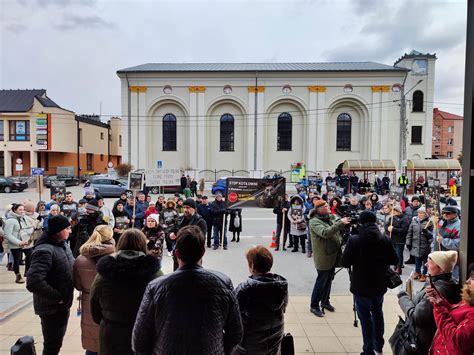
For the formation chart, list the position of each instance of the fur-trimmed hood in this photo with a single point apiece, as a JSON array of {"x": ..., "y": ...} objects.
[{"x": 128, "y": 265}]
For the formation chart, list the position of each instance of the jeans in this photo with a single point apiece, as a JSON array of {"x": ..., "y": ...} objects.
[
  {"x": 217, "y": 236},
  {"x": 17, "y": 258},
  {"x": 322, "y": 288},
  {"x": 419, "y": 263},
  {"x": 369, "y": 310},
  {"x": 54, "y": 327},
  {"x": 399, "y": 251}
]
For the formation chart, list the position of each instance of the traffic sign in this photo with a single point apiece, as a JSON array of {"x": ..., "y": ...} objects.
[
  {"x": 19, "y": 167},
  {"x": 37, "y": 171},
  {"x": 19, "y": 161},
  {"x": 159, "y": 164}
]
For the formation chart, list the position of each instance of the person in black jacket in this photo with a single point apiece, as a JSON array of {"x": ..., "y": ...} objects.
[
  {"x": 50, "y": 279},
  {"x": 191, "y": 311},
  {"x": 263, "y": 299},
  {"x": 218, "y": 219},
  {"x": 204, "y": 210},
  {"x": 369, "y": 254},
  {"x": 281, "y": 211},
  {"x": 396, "y": 228}
]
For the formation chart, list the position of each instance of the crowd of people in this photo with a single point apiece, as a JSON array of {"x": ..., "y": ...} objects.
[{"x": 113, "y": 256}]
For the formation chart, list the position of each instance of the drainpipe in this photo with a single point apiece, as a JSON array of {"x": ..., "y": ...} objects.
[{"x": 129, "y": 123}]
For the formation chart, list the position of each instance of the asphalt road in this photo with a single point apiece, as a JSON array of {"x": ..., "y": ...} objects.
[{"x": 257, "y": 226}]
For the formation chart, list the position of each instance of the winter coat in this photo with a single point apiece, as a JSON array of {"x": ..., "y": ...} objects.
[
  {"x": 116, "y": 295},
  {"x": 411, "y": 212},
  {"x": 67, "y": 208},
  {"x": 156, "y": 238},
  {"x": 195, "y": 220},
  {"x": 121, "y": 223},
  {"x": 218, "y": 212},
  {"x": 150, "y": 210},
  {"x": 262, "y": 301},
  {"x": 419, "y": 311},
  {"x": 279, "y": 213},
  {"x": 191, "y": 311},
  {"x": 205, "y": 212},
  {"x": 450, "y": 231},
  {"x": 83, "y": 230},
  {"x": 369, "y": 254},
  {"x": 108, "y": 216},
  {"x": 17, "y": 229},
  {"x": 296, "y": 216},
  {"x": 326, "y": 238},
  {"x": 419, "y": 237},
  {"x": 84, "y": 271},
  {"x": 400, "y": 228},
  {"x": 455, "y": 332},
  {"x": 235, "y": 214},
  {"x": 49, "y": 277},
  {"x": 139, "y": 213}
]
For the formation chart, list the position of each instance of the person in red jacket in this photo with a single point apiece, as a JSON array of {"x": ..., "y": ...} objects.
[
  {"x": 455, "y": 334},
  {"x": 150, "y": 210}
]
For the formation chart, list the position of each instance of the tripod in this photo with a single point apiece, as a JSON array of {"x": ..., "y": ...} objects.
[{"x": 353, "y": 299}]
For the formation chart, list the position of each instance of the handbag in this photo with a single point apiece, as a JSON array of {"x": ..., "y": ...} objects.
[
  {"x": 301, "y": 226},
  {"x": 403, "y": 339},
  {"x": 287, "y": 345},
  {"x": 24, "y": 346},
  {"x": 392, "y": 279}
]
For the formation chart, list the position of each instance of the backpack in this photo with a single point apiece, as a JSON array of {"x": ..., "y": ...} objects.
[
  {"x": 24, "y": 346},
  {"x": 237, "y": 221}
]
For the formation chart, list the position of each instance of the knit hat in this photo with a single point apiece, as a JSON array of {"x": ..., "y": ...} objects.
[
  {"x": 415, "y": 198},
  {"x": 88, "y": 191},
  {"x": 421, "y": 209},
  {"x": 57, "y": 223},
  {"x": 367, "y": 217},
  {"x": 92, "y": 205},
  {"x": 190, "y": 203},
  {"x": 446, "y": 260},
  {"x": 319, "y": 203},
  {"x": 104, "y": 231},
  {"x": 155, "y": 217},
  {"x": 98, "y": 197}
]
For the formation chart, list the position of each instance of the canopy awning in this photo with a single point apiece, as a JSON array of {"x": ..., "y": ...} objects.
[
  {"x": 433, "y": 164},
  {"x": 369, "y": 165}
]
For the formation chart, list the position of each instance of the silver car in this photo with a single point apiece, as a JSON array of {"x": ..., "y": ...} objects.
[{"x": 108, "y": 187}]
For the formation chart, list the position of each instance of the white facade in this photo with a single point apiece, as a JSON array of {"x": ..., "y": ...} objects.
[{"x": 198, "y": 100}]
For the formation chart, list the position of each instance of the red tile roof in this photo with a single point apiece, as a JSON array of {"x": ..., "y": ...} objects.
[{"x": 446, "y": 115}]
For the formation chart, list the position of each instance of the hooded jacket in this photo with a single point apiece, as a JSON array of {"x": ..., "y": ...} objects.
[
  {"x": 419, "y": 311},
  {"x": 49, "y": 277},
  {"x": 84, "y": 271},
  {"x": 192, "y": 311},
  {"x": 369, "y": 254},
  {"x": 400, "y": 226},
  {"x": 326, "y": 238},
  {"x": 296, "y": 215},
  {"x": 262, "y": 301},
  {"x": 17, "y": 228},
  {"x": 116, "y": 295}
]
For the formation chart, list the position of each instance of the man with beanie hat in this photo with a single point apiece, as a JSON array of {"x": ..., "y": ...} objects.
[
  {"x": 326, "y": 238},
  {"x": 190, "y": 218},
  {"x": 369, "y": 254},
  {"x": 419, "y": 311},
  {"x": 50, "y": 279}
]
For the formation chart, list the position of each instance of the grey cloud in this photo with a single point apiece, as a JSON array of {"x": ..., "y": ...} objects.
[
  {"x": 62, "y": 3},
  {"x": 15, "y": 28},
  {"x": 74, "y": 22}
]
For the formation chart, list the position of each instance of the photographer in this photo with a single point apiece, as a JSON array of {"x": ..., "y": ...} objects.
[
  {"x": 369, "y": 254},
  {"x": 326, "y": 239}
]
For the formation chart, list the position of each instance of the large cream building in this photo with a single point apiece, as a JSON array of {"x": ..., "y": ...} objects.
[{"x": 263, "y": 117}]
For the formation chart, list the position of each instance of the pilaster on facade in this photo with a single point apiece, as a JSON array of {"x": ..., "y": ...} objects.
[
  {"x": 321, "y": 122},
  {"x": 251, "y": 132},
  {"x": 33, "y": 158},
  {"x": 373, "y": 133},
  {"x": 312, "y": 154},
  {"x": 191, "y": 128},
  {"x": 201, "y": 131},
  {"x": 144, "y": 124},
  {"x": 7, "y": 159},
  {"x": 384, "y": 123},
  {"x": 262, "y": 119}
]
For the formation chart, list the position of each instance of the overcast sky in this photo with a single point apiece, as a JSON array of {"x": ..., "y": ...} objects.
[{"x": 73, "y": 48}]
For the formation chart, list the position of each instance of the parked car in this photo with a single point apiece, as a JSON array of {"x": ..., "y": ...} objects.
[
  {"x": 108, "y": 187},
  {"x": 11, "y": 184},
  {"x": 68, "y": 179}
]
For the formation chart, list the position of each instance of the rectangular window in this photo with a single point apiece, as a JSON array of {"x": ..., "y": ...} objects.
[
  {"x": 2, "y": 136},
  {"x": 450, "y": 141},
  {"x": 80, "y": 137},
  {"x": 450, "y": 154},
  {"x": 89, "y": 158},
  {"x": 19, "y": 130},
  {"x": 120, "y": 140},
  {"x": 451, "y": 129},
  {"x": 102, "y": 135},
  {"x": 416, "y": 134}
]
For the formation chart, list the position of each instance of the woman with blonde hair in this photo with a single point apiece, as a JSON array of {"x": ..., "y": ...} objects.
[
  {"x": 100, "y": 243},
  {"x": 118, "y": 290}
]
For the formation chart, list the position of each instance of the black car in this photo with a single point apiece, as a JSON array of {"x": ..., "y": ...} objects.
[
  {"x": 68, "y": 179},
  {"x": 9, "y": 184}
]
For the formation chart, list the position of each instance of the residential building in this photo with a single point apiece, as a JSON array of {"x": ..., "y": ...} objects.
[
  {"x": 447, "y": 134},
  {"x": 264, "y": 117},
  {"x": 36, "y": 130}
]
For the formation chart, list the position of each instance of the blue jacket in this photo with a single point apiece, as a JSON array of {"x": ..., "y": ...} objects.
[
  {"x": 139, "y": 214},
  {"x": 205, "y": 212}
]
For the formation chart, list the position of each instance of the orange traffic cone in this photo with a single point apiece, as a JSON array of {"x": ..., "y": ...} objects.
[{"x": 273, "y": 244}]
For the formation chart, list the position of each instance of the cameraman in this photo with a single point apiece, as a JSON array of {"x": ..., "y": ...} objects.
[
  {"x": 326, "y": 239},
  {"x": 369, "y": 254}
]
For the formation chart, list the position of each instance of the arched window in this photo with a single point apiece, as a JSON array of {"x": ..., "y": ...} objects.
[
  {"x": 169, "y": 132},
  {"x": 227, "y": 133},
  {"x": 418, "y": 101},
  {"x": 344, "y": 127},
  {"x": 285, "y": 128}
]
